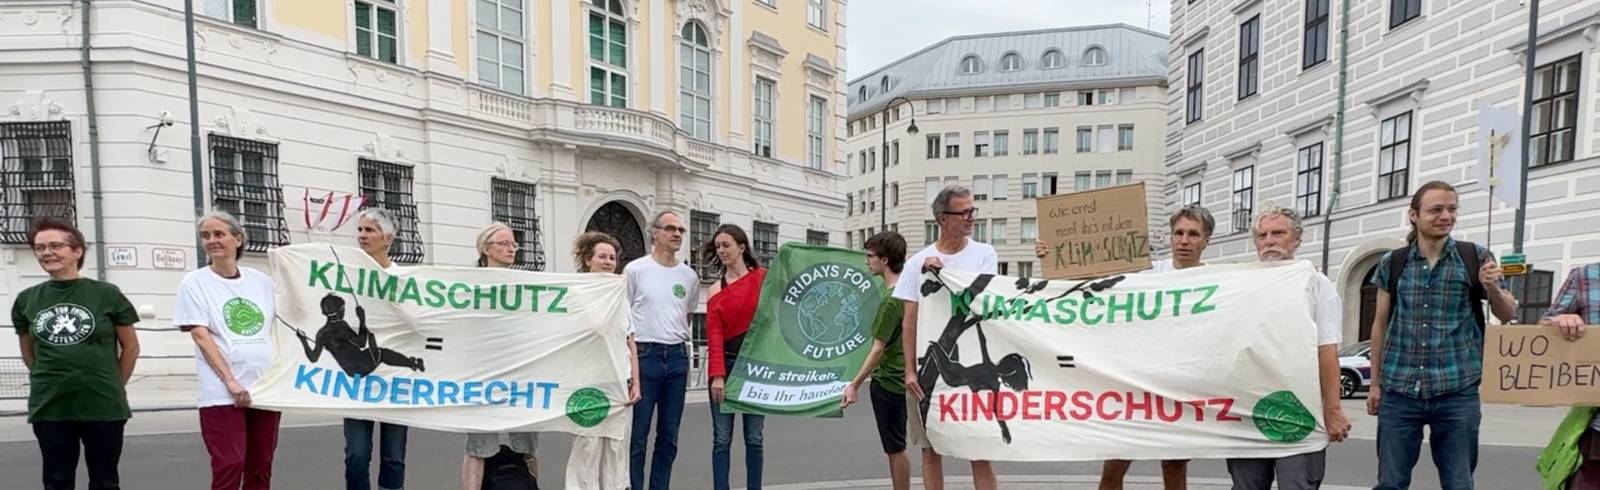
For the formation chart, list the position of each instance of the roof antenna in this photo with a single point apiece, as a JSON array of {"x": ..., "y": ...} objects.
[{"x": 1149, "y": 14}]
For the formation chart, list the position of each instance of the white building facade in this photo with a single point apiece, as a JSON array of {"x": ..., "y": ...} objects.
[
  {"x": 555, "y": 117},
  {"x": 1253, "y": 94},
  {"x": 1016, "y": 116}
]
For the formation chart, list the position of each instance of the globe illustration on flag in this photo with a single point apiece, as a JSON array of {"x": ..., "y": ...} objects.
[{"x": 830, "y": 312}]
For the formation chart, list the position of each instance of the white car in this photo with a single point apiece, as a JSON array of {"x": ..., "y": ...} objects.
[{"x": 1355, "y": 368}]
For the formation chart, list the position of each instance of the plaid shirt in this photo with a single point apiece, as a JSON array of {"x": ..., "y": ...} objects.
[
  {"x": 1580, "y": 295},
  {"x": 1433, "y": 345}
]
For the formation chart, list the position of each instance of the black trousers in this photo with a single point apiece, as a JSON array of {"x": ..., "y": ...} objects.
[{"x": 59, "y": 443}]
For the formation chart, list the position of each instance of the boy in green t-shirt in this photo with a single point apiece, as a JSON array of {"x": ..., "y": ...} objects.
[
  {"x": 77, "y": 339},
  {"x": 886, "y": 257}
]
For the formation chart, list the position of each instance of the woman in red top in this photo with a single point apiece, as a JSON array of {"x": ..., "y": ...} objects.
[{"x": 728, "y": 314}]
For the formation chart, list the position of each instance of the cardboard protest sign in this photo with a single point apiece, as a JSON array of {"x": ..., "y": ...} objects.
[
  {"x": 446, "y": 348},
  {"x": 1211, "y": 362},
  {"x": 1095, "y": 233},
  {"x": 1536, "y": 365}
]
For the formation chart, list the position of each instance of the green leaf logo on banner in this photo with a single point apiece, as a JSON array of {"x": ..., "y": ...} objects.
[{"x": 1281, "y": 417}]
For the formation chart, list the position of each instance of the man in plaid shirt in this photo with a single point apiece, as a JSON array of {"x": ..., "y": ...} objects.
[
  {"x": 1577, "y": 305},
  {"x": 1427, "y": 349}
]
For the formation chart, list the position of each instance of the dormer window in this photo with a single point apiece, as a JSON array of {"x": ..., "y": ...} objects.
[
  {"x": 971, "y": 65},
  {"x": 1094, "y": 56},
  {"x": 863, "y": 93},
  {"x": 1053, "y": 59},
  {"x": 883, "y": 84},
  {"x": 1011, "y": 62}
]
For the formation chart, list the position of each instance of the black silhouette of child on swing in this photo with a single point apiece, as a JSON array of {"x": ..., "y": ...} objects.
[{"x": 356, "y": 350}]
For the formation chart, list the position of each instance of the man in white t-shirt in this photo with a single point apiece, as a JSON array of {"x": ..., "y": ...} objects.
[
  {"x": 953, "y": 209},
  {"x": 663, "y": 291},
  {"x": 1277, "y": 236}
]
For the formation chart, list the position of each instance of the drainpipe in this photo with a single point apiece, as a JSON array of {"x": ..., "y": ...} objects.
[
  {"x": 1338, "y": 132},
  {"x": 94, "y": 148}
]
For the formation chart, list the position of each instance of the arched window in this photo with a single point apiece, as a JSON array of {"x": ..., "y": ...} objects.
[
  {"x": 883, "y": 84},
  {"x": 1053, "y": 59},
  {"x": 608, "y": 54},
  {"x": 971, "y": 65},
  {"x": 862, "y": 94},
  {"x": 1094, "y": 56},
  {"x": 1011, "y": 62},
  {"x": 694, "y": 82}
]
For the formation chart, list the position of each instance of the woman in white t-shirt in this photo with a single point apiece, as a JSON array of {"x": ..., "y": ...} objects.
[
  {"x": 228, "y": 310},
  {"x": 598, "y": 463}
]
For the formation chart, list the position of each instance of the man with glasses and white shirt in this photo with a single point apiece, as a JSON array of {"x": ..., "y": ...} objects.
[{"x": 663, "y": 291}]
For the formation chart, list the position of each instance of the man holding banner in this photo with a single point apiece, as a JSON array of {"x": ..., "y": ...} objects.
[
  {"x": 1277, "y": 233},
  {"x": 1572, "y": 459},
  {"x": 953, "y": 209}
]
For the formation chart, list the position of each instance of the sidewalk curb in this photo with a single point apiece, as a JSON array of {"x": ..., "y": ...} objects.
[{"x": 1014, "y": 479}]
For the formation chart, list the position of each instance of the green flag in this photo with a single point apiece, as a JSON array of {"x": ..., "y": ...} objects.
[{"x": 811, "y": 332}]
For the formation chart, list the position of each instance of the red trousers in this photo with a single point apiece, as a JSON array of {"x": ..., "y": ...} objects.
[{"x": 241, "y": 442}]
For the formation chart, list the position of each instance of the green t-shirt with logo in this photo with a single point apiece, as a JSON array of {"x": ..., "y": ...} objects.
[
  {"x": 891, "y": 370},
  {"x": 73, "y": 325}
]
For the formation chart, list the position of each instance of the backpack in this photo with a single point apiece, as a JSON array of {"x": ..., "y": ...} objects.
[
  {"x": 1469, "y": 255},
  {"x": 506, "y": 470}
]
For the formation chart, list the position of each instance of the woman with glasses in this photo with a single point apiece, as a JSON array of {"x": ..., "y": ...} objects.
[
  {"x": 497, "y": 247},
  {"x": 728, "y": 314},
  {"x": 77, "y": 340},
  {"x": 598, "y": 463}
]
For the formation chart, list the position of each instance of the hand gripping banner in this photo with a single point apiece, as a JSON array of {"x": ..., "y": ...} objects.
[
  {"x": 1214, "y": 362},
  {"x": 446, "y": 348}
]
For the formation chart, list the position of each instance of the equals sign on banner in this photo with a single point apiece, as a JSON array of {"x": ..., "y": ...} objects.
[
  {"x": 433, "y": 343},
  {"x": 1066, "y": 361}
]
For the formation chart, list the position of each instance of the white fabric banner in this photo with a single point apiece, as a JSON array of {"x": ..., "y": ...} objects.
[
  {"x": 446, "y": 348},
  {"x": 1212, "y": 362}
]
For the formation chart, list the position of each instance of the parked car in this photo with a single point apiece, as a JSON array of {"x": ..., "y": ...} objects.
[{"x": 1355, "y": 368}]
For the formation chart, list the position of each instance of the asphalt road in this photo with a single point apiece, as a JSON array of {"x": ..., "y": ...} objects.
[{"x": 798, "y": 451}]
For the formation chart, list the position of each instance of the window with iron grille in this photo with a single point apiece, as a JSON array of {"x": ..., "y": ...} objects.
[
  {"x": 1314, "y": 48},
  {"x": 388, "y": 186},
  {"x": 1308, "y": 181},
  {"x": 1394, "y": 157},
  {"x": 35, "y": 176},
  {"x": 702, "y": 228},
  {"x": 1533, "y": 293},
  {"x": 765, "y": 241},
  {"x": 1244, "y": 197},
  {"x": 1555, "y": 112},
  {"x": 815, "y": 237},
  {"x": 513, "y": 204},
  {"x": 1249, "y": 56},
  {"x": 244, "y": 182}
]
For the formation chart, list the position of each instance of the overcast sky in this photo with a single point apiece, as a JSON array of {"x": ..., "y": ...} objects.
[{"x": 882, "y": 31}]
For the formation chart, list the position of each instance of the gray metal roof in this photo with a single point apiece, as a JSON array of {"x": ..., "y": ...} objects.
[{"x": 1131, "y": 53}]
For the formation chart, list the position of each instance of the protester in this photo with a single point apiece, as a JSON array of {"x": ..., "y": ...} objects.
[
  {"x": 886, "y": 363},
  {"x": 77, "y": 340},
  {"x": 598, "y": 463},
  {"x": 227, "y": 309},
  {"x": 953, "y": 209},
  {"x": 1190, "y": 233},
  {"x": 1572, "y": 459},
  {"x": 663, "y": 292},
  {"x": 728, "y": 314},
  {"x": 1277, "y": 234},
  {"x": 375, "y": 233},
  {"x": 497, "y": 248},
  {"x": 1427, "y": 344}
]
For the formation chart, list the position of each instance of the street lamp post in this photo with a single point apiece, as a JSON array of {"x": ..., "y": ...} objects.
[{"x": 883, "y": 190}]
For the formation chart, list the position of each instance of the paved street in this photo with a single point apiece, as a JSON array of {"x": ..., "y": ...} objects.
[{"x": 162, "y": 452}]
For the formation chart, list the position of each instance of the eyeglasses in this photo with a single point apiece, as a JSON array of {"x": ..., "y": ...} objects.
[
  {"x": 52, "y": 246},
  {"x": 968, "y": 214},
  {"x": 673, "y": 229},
  {"x": 511, "y": 244}
]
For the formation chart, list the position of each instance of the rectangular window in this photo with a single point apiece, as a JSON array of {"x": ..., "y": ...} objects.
[
  {"x": 702, "y": 227},
  {"x": 930, "y": 231},
  {"x": 239, "y": 12},
  {"x": 1082, "y": 181},
  {"x": 980, "y": 230},
  {"x": 1048, "y": 185},
  {"x": 500, "y": 45},
  {"x": 1191, "y": 194},
  {"x": 1030, "y": 229},
  {"x": 1402, "y": 11},
  {"x": 1249, "y": 56},
  {"x": 1105, "y": 96},
  {"x": 1555, "y": 112},
  {"x": 1308, "y": 181},
  {"x": 1002, "y": 188},
  {"x": 1052, "y": 99},
  {"x": 1124, "y": 177},
  {"x": 997, "y": 231},
  {"x": 1005, "y": 268},
  {"x": 769, "y": 3},
  {"x": 1025, "y": 268},
  {"x": 1002, "y": 143},
  {"x": 816, "y": 142},
  {"x": 817, "y": 237},
  {"x": 1085, "y": 139},
  {"x": 1533, "y": 292},
  {"x": 1052, "y": 140},
  {"x": 1107, "y": 139},
  {"x": 864, "y": 163},
  {"x": 1085, "y": 97},
  {"x": 1195, "y": 93},
  {"x": 952, "y": 145},
  {"x": 894, "y": 194},
  {"x": 244, "y": 182},
  {"x": 849, "y": 204},
  {"x": 763, "y": 117},
  {"x": 764, "y": 239},
  {"x": 513, "y": 204},
  {"x": 608, "y": 58},
  {"x": 816, "y": 14},
  {"x": 1394, "y": 157},
  {"x": 980, "y": 188},
  {"x": 872, "y": 159},
  {"x": 1127, "y": 95},
  {"x": 1030, "y": 186},
  {"x": 36, "y": 176},
  {"x": 935, "y": 106},
  {"x": 935, "y": 142},
  {"x": 1125, "y": 137},
  {"x": 931, "y": 188},
  {"x": 388, "y": 186},
  {"x": 1314, "y": 48},
  {"x": 980, "y": 144},
  {"x": 1002, "y": 102},
  {"x": 376, "y": 34},
  {"x": 1244, "y": 197},
  {"x": 1030, "y": 142},
  {"x": 1102, "y": 179},
  {"x": 894, "y": 153}
]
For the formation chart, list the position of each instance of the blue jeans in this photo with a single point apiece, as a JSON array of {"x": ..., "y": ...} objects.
[
  {"x": 722, "y": 441},
  {"x": 663, "y": 378},
  {"x": 1452, "y": 422},
  {"x": 358, "y": 455}
]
